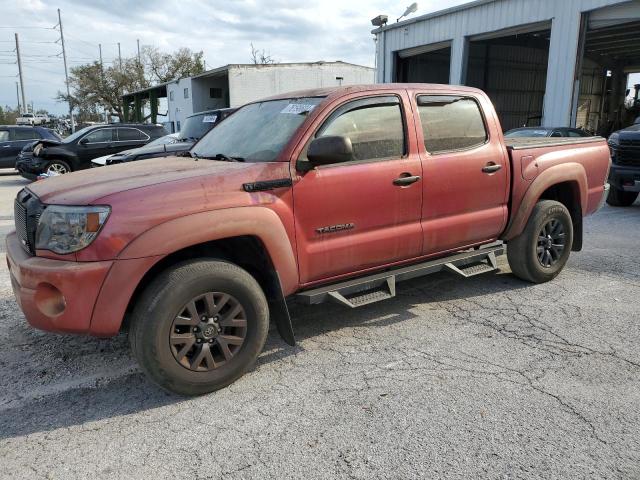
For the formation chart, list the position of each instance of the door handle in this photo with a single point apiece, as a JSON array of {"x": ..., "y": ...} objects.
[
  {"x": 491, "y": 167},
  {"x": 406, "y": 179}
]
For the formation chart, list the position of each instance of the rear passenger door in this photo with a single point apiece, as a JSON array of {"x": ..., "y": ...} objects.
[
  {"x": 355, "y": 215},
  {"x": 129, "y": 137},
  {"x": 465, "y": 168}
]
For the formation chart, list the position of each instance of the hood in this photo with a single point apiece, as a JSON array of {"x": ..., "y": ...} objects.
[
  {"x": 632, "y": 131},
  {"x": 153, "y": 149},
  {"x": 88, "y": 186}
]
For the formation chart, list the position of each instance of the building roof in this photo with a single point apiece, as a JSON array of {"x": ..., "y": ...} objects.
[
  {"x": 225, "y": 68},
  {"x": 429, "y": 16}
]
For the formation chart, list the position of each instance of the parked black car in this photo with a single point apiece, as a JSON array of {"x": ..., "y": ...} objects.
[
  {"x": 547, "y": 132},
  {"x": 624, "y": 176},
  {"x": 193, "y": 129},
  {"x": 77, "y": 150},
  {"x": 14, "y": 138}
]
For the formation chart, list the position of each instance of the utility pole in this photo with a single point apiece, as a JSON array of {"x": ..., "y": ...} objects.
[
  {"x": 119, "y": 56},
  {"x": 18, "y": 97},
  {"x": 139, "y": 61},
  {"x": 24, "y": 103},
  {"x": 66, "y": 73},
  {"x": 102, "y": 79}
]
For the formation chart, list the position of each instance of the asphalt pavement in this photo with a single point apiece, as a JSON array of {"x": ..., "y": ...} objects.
[{"x": 487, "y": 377}]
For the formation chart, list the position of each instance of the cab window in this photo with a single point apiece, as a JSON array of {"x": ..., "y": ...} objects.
[
  {"x": 451, "y": 123},
  {"x": 374, "y": 126}
]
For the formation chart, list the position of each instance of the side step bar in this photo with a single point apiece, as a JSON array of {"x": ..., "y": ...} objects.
[{"x": 381, "y": 286}]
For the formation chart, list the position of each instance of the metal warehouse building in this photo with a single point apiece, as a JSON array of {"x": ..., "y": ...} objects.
[{"x": 549, "y": 62}]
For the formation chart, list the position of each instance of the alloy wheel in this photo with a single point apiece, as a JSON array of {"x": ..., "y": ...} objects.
[
  {"x": 208, "y": 331},
  {"x": 57, "y": 169},
  {"x": 551, "y": 243}
]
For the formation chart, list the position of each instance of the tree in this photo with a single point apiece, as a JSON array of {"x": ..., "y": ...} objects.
[
  {"x": 163, "y": 67},
  {"x": 93, "y": 84},
  {"x": 260, "y": 57},
  {"x": 8, "y": 115}
]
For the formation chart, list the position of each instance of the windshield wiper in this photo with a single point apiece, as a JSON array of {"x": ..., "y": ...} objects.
[{"x": 224, "y": 158}]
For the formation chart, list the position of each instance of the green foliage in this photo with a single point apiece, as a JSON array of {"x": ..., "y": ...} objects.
[
  {"x": 95, "y": 85},
  {"x": 8, "y": 115}
]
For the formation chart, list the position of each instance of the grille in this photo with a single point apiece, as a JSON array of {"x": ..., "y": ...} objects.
[
  {"x": 628, "y": 157},
  {"x": 20, "y": 215},
  {"x": 27, "y": 210},
  {"x": 630, "y": 142}
]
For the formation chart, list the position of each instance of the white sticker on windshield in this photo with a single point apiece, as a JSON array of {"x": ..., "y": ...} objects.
[
  {"x": 209, "y": 118},
  {"x": 297, "y": 108}
]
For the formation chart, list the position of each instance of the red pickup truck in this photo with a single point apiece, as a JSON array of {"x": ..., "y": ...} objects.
[{"x": 331, "y": 194}]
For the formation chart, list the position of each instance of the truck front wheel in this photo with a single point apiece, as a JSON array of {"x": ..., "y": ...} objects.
[
  {"x": 199, "y": 326},
  {"x": 541, "y": 251},
  {"x": 620, "y": 198}
]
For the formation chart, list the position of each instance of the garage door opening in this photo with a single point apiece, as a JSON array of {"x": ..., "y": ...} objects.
[
  {"x": 432, "y": 66},
  {"x": 611, "y": 60},
  {"x": 512, "y": 69}
]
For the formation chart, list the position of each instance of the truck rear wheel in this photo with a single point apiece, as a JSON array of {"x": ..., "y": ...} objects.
[
  {"x": 620, "y": 198},
  {"x": 541, "y": 251},
  {"x": 199, "y": 326}
]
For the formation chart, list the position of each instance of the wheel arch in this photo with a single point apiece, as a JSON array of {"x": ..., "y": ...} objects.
[
  {"x": 253, "y": 238},
  {"x": 565, "y": 183}
]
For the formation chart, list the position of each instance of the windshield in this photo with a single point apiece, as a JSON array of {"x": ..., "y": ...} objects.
[
  {"x": 527, "y": 133},
  {"x": 257, "y": 132},
  {"x": 163, "y": 140},
  {"x": 75, "y": 136},
  {"x": 196, "y": 126}
]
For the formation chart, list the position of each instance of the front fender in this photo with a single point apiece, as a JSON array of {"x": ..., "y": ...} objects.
[
  {"x": 190, "y": 230},
  {"x": 566, "y": 172}
]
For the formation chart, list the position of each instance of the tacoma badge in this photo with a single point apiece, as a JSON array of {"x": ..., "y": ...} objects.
[{"x": 336, "y": 228}]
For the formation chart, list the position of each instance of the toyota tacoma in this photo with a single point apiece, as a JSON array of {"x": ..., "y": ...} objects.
[{"x": 322, "y": 195}]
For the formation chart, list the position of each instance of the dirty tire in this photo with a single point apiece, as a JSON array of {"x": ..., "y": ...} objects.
[
  {"x": 58, "y": 166},
  {"x": 620, "y": 198},
  {"x": 523, "y": 251},
  {"x": 161, "y": 304}
]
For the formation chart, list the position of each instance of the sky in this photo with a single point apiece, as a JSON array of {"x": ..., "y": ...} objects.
[{"x": 288, "y": 30}]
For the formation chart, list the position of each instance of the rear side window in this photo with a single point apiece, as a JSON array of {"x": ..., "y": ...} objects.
[
  {"x": 131, "y": 134},
  {"x": 375, "y": 128},
  {"x": 451, "y": 123},
  {"x": 25, "y": 134},
  {"x": 102, "y": 135}
]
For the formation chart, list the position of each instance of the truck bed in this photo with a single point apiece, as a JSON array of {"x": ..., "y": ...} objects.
[{"x": 521, "y": 143}]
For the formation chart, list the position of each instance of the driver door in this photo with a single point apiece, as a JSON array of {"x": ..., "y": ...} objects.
[{"x": 357, "y": 215}]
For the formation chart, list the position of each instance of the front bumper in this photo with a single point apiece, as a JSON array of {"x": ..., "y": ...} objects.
[
  {"x": 54, "y": 295},
  {"x": 28, "y": 167},
  {"x": 626, "y": 178}
]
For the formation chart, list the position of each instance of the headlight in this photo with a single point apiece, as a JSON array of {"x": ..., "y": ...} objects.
[
  {"x": 614, "y": 139},
  {"x": 63, "y": 229}
]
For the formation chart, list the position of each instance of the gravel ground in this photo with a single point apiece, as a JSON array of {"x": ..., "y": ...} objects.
[{"x": 454, "y": 378}]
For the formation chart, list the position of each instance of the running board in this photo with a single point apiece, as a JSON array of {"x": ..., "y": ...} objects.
[{"x": 381, "y": 286}]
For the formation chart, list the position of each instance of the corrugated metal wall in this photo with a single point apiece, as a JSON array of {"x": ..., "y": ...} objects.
[{"x": 490, "y": 16}]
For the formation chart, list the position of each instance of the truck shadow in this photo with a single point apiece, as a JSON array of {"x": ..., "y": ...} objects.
[{"x": 131, "y": 392}]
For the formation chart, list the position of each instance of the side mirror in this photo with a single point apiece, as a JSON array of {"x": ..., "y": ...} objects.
[
  {"x": 327, "y": 150},
  {"x": 84, "y": 141}
]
